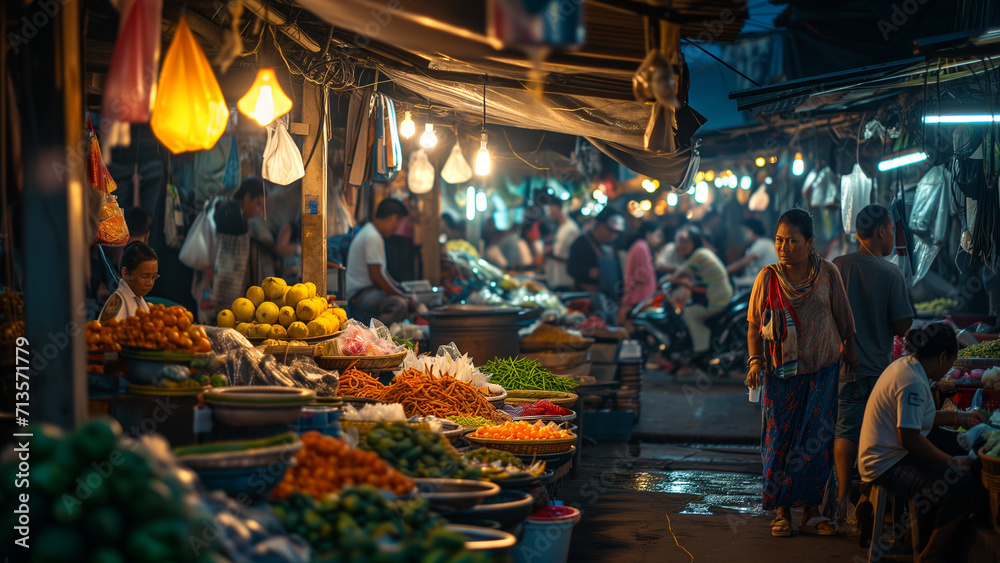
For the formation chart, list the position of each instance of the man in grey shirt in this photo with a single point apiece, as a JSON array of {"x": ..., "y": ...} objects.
[{"x": 881, "y": 307}]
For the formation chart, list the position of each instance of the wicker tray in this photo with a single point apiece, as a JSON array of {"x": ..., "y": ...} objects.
[
  {"x": 525, "y": 397},
  {"x": 363, "y": 363},
  {"x": 260, "y": 339},
  {"x": 966, "y": 364},
  {"x": 497, "y": 400},
  {"x": 525, "y": 447},
  {"x": 563, "y": 346}
]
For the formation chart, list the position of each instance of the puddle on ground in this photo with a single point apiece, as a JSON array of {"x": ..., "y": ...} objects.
[{"x": 719, "y": 491}]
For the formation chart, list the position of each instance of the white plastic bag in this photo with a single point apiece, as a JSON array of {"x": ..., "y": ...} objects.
[
  {"x": 456, "y": 169},
  {"x": 856, "y": 193},
  {"x": 282, "y": 159},
  {"x": 420, "y": 177},
  {"x": 198, "y": 251},
  {"x": 932, "y": 205},
  {"x": 759, "y": 201}
]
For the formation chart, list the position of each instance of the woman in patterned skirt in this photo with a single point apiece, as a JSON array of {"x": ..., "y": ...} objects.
[{"x": 801, "y": 328}]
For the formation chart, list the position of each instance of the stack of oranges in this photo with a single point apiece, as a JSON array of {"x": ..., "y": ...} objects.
[
  {"x": 326, "y": 465},
  {"x": 162, "y": 328},
  {"x": 521, "y": 430}
]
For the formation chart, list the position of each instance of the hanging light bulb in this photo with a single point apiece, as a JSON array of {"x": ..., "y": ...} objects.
[
  {"x": 428, "y": 139},
  {"x": 650, "y": 185},
  {"x": 692, "y": 188},
  {"x": 483, "y": 157},
  {"x": 746, "y": 183},
  {"x": 719, "y": 181},
  {"x": 470, "y": 203},
  {"x": 407, "y": 128},
  {"x": 710, "y": 175},
  {"x": 481, "y": 202},
  {"x": 760, "y": 162},
  {"x": 672, "y": 199},
  {"x": 798, "y": 166},
  {"x": 646, "y": 205},
  {"x": 265, "y": 99},
  {"x": 732, "y": 181}
]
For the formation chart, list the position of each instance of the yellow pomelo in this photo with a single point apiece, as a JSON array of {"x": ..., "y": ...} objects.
[
  {"x": 256, "y": 295},
  {"x": 226, "y": 319},
  {"x": 306, "y": 310},
  {"x": 296, "y": 293},
  {"x": 244, "y": 328},
  {"x": 341, "y": 314},
  {"x": 260, "y": 330},
  {"x": 277, "y": 331},
  {"x": 316, "y": 328},
  {"x": 274, "y": 288},
  {"x": 267, "y": 313},
  {"x": 244, "y": 310},
  {"x": 286, "y": 316},
  {"x": 298, "y": 329},
  {"x": 312, "y": 289}
]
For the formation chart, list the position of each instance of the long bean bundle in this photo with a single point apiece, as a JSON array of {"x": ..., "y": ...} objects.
[{"x": 522, "y": 373}]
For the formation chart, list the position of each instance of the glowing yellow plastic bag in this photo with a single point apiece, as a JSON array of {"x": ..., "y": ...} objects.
[{"x": 190, "y": 112}]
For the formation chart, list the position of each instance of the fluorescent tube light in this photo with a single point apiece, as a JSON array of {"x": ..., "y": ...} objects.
[{"x": 904, "y": 160}]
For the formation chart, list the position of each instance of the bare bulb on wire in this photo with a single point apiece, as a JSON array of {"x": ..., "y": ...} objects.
[
  {"x": 428, "y": 139},
  {"x": 407, "y": 128},
  {"x": 483, "y": 157}
]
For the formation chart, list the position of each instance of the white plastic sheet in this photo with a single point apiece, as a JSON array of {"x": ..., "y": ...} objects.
[
  {"x": 855, "y": 194},
  {"x": 456, "y": 169}
]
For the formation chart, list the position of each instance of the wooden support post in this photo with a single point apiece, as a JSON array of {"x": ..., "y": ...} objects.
[
  {"x": 314, "y": 100},
  {"x": 426, "y": 234},
  {"x": 55, "y": 247}
]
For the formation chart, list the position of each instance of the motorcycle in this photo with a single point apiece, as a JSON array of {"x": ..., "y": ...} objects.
[{"x": 661, "y": 328}]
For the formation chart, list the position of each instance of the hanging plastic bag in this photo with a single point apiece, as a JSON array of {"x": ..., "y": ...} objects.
[
  {"x": 456, "y": 169},
  {"x": 173, "y": 218},
  {"x": 112, "y": 229},
  {"x": 97, "y": 173},
  {"x": 420, "y": 177},
  {"x": 130, "y": 85},
  {"x": 198, "y": 250},
  {"x": 759, "y": 201},
  {"x": 282, "y": 159},
  {"x": 231, "y": 176},
  {"x": 855, "y": 193},
  {"x": 189, "y": 113},
  {"x": 824, "y": 189},
  {"x": 927, "y": 200}
]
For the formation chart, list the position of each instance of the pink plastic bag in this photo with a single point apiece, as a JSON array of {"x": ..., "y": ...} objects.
[{"x": 130, "y": 87}]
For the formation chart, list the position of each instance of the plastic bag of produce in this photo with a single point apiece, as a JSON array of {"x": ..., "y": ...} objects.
[
  {"x": 198, "y": 250},
  {"x": 112, "y": 229},
  {"x": 97, "y": 173},
  {"x": 189, "y": 113},
  {"x": 282, "y": 159}
]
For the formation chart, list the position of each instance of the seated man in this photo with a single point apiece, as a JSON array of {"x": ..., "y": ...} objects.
[{"x": 371, "y": 291}]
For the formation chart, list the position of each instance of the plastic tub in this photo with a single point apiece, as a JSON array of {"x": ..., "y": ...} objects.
[{"x": 547, "y": 534}]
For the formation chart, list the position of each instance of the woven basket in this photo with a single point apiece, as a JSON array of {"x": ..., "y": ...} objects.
[
  {"x": 364, "y": 427},
  {"x": 363, "y": 363},
  {"x": 525, "y": 447},
  {"x": 991, "y": 471},
  {"x": 526, "y": 397},
  {"x": 966, "y": 364},
  {"x": 497, "y": 400}
]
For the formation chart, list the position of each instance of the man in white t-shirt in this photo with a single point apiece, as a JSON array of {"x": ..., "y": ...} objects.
[
  {"x": 566, "y": 234},
  {"x": 371, "y": 291},
  {"x": 758, "y": 254}
]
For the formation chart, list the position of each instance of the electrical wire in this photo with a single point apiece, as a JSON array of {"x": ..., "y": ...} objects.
[
  {"x": 670, "y": 525},
  {"x": 519, "y": 156}
]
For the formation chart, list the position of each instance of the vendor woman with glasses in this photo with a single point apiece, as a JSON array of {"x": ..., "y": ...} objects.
[{"x": 139, "y": 267}]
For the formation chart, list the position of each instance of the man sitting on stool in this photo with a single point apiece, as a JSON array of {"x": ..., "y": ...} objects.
[{"x": 371, "y": 291}]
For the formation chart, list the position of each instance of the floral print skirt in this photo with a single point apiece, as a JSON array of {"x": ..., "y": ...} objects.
[{"x": 799, "y": 422}]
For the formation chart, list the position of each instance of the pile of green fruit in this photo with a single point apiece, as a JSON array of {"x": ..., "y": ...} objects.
[
  {"x": 989, "y": 349},
  {"x": 935, "y": 307},
  {"x": 415, "y": 452},
  {"x": 97, "y": 498},
  {"x": 359, "y": 524}
]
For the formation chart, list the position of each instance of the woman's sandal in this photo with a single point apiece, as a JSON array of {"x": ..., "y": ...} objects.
[
  {"x": 818, "y": 526},
  {"x": 781, "y": 527}
]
